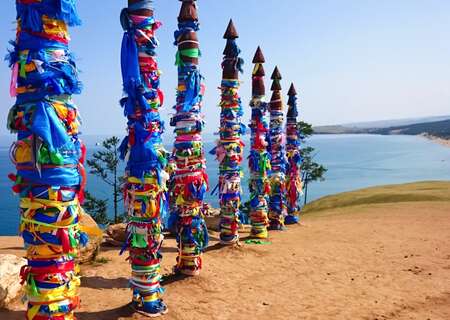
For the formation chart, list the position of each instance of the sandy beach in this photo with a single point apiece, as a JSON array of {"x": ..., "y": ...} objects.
[
  {"x": 375, "y": 261},
  {"x": 441, "y": 141}
]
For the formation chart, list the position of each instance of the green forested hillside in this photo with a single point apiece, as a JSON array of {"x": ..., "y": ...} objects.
[{"x": 439, "y": 129}]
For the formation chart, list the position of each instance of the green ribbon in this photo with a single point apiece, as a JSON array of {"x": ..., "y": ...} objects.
[
  {"x": 32, "y": 286},
  {"x": 257, "y": 242},
  {"x": 191, "y": 53},
  {"x": 23, "y": 64},
  {"x": 46, "y": 156},
  {"x": 262, "y": 165},
  {"x": 56, "y": 158},
  {"x": 139, "y": 241},
  {"x": 162, "y": 160},
  {"x": 73, "y": 241}
]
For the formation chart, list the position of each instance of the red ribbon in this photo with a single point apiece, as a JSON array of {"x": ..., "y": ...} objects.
[{"x": 63, "y": 235}]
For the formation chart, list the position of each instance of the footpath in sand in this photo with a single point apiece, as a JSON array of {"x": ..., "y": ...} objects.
[{"x": 381, "y": 253}]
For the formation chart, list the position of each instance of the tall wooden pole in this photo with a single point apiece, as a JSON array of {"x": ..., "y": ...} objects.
[
  {"x": 145, "y": 175},
  {"x": 294, "y": 178},
  {"x": 259, "y": 159},
  {"x": 48, "y": 156},
  {"x": 190, "y": 181},
  {"x": 277, "y": 205},
  {"x": 230, "y": 147}
]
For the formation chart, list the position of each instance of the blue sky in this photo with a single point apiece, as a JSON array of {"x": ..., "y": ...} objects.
[{"x": 351, "y": 60}]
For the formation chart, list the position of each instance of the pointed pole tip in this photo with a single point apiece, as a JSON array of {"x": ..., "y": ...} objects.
[
  {"x": 292, "y": 90},
  {"x": 231, "y": 32},
  {"x": 259, "y": 56},
  {"x": 276, "y": 75}
]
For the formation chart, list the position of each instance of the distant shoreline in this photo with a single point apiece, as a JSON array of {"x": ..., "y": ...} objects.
[
  {"x": 441, "y": 141},
  {"x": 437, "y": 131}
]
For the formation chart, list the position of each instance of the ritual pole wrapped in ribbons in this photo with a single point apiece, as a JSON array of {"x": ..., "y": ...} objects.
[
  {"x": 145, "y": 175},
  {"x": 48, "y": 155},
  {"x": 259, "y": 159},
  {"x": 230, "y": 148},
  {"x": 293, "y": 144},
  {"x": 190, "y": 181},
  {"x": 277, "y": 204}
]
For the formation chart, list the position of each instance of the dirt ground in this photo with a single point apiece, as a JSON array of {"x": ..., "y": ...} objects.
[{"x": 383, "y": 261}]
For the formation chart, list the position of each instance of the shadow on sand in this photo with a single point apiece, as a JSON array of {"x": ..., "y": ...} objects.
[
  {"x": 12, "y": 315},
  {"x": 114, "y": 314},
  {"x": 104, "y": 283},
  {"x": 172, "y": 278},
  {"x": 13, "y": 248},
  {"x": 216, "y": 247}
]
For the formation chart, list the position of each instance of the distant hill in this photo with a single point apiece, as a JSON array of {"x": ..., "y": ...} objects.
[
  {"x": 338, "y": 129},
  {"x": 440, "y": 129},
  {"x": 395, "y": 123}
]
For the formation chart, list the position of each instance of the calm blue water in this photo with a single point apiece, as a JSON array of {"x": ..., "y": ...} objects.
[{"x": 353, "y": 162}]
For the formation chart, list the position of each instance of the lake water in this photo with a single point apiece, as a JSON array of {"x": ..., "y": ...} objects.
[{"x": 353, "y": 162}]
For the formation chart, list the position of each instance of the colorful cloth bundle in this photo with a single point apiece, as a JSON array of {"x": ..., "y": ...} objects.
[
  {"x": 294, "y": 184},
  {"x": 146, "y": 179},
  {"x": 277, "y": 205},
  {"x": 259, "y": 159},
  {"x": 48, "y": 155},
  {"x": 190, "y": 181},
  {"x": 230, "y": 147}
]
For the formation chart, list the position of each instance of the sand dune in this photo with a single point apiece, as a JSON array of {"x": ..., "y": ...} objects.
[{"x": 372, "y": 261}]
